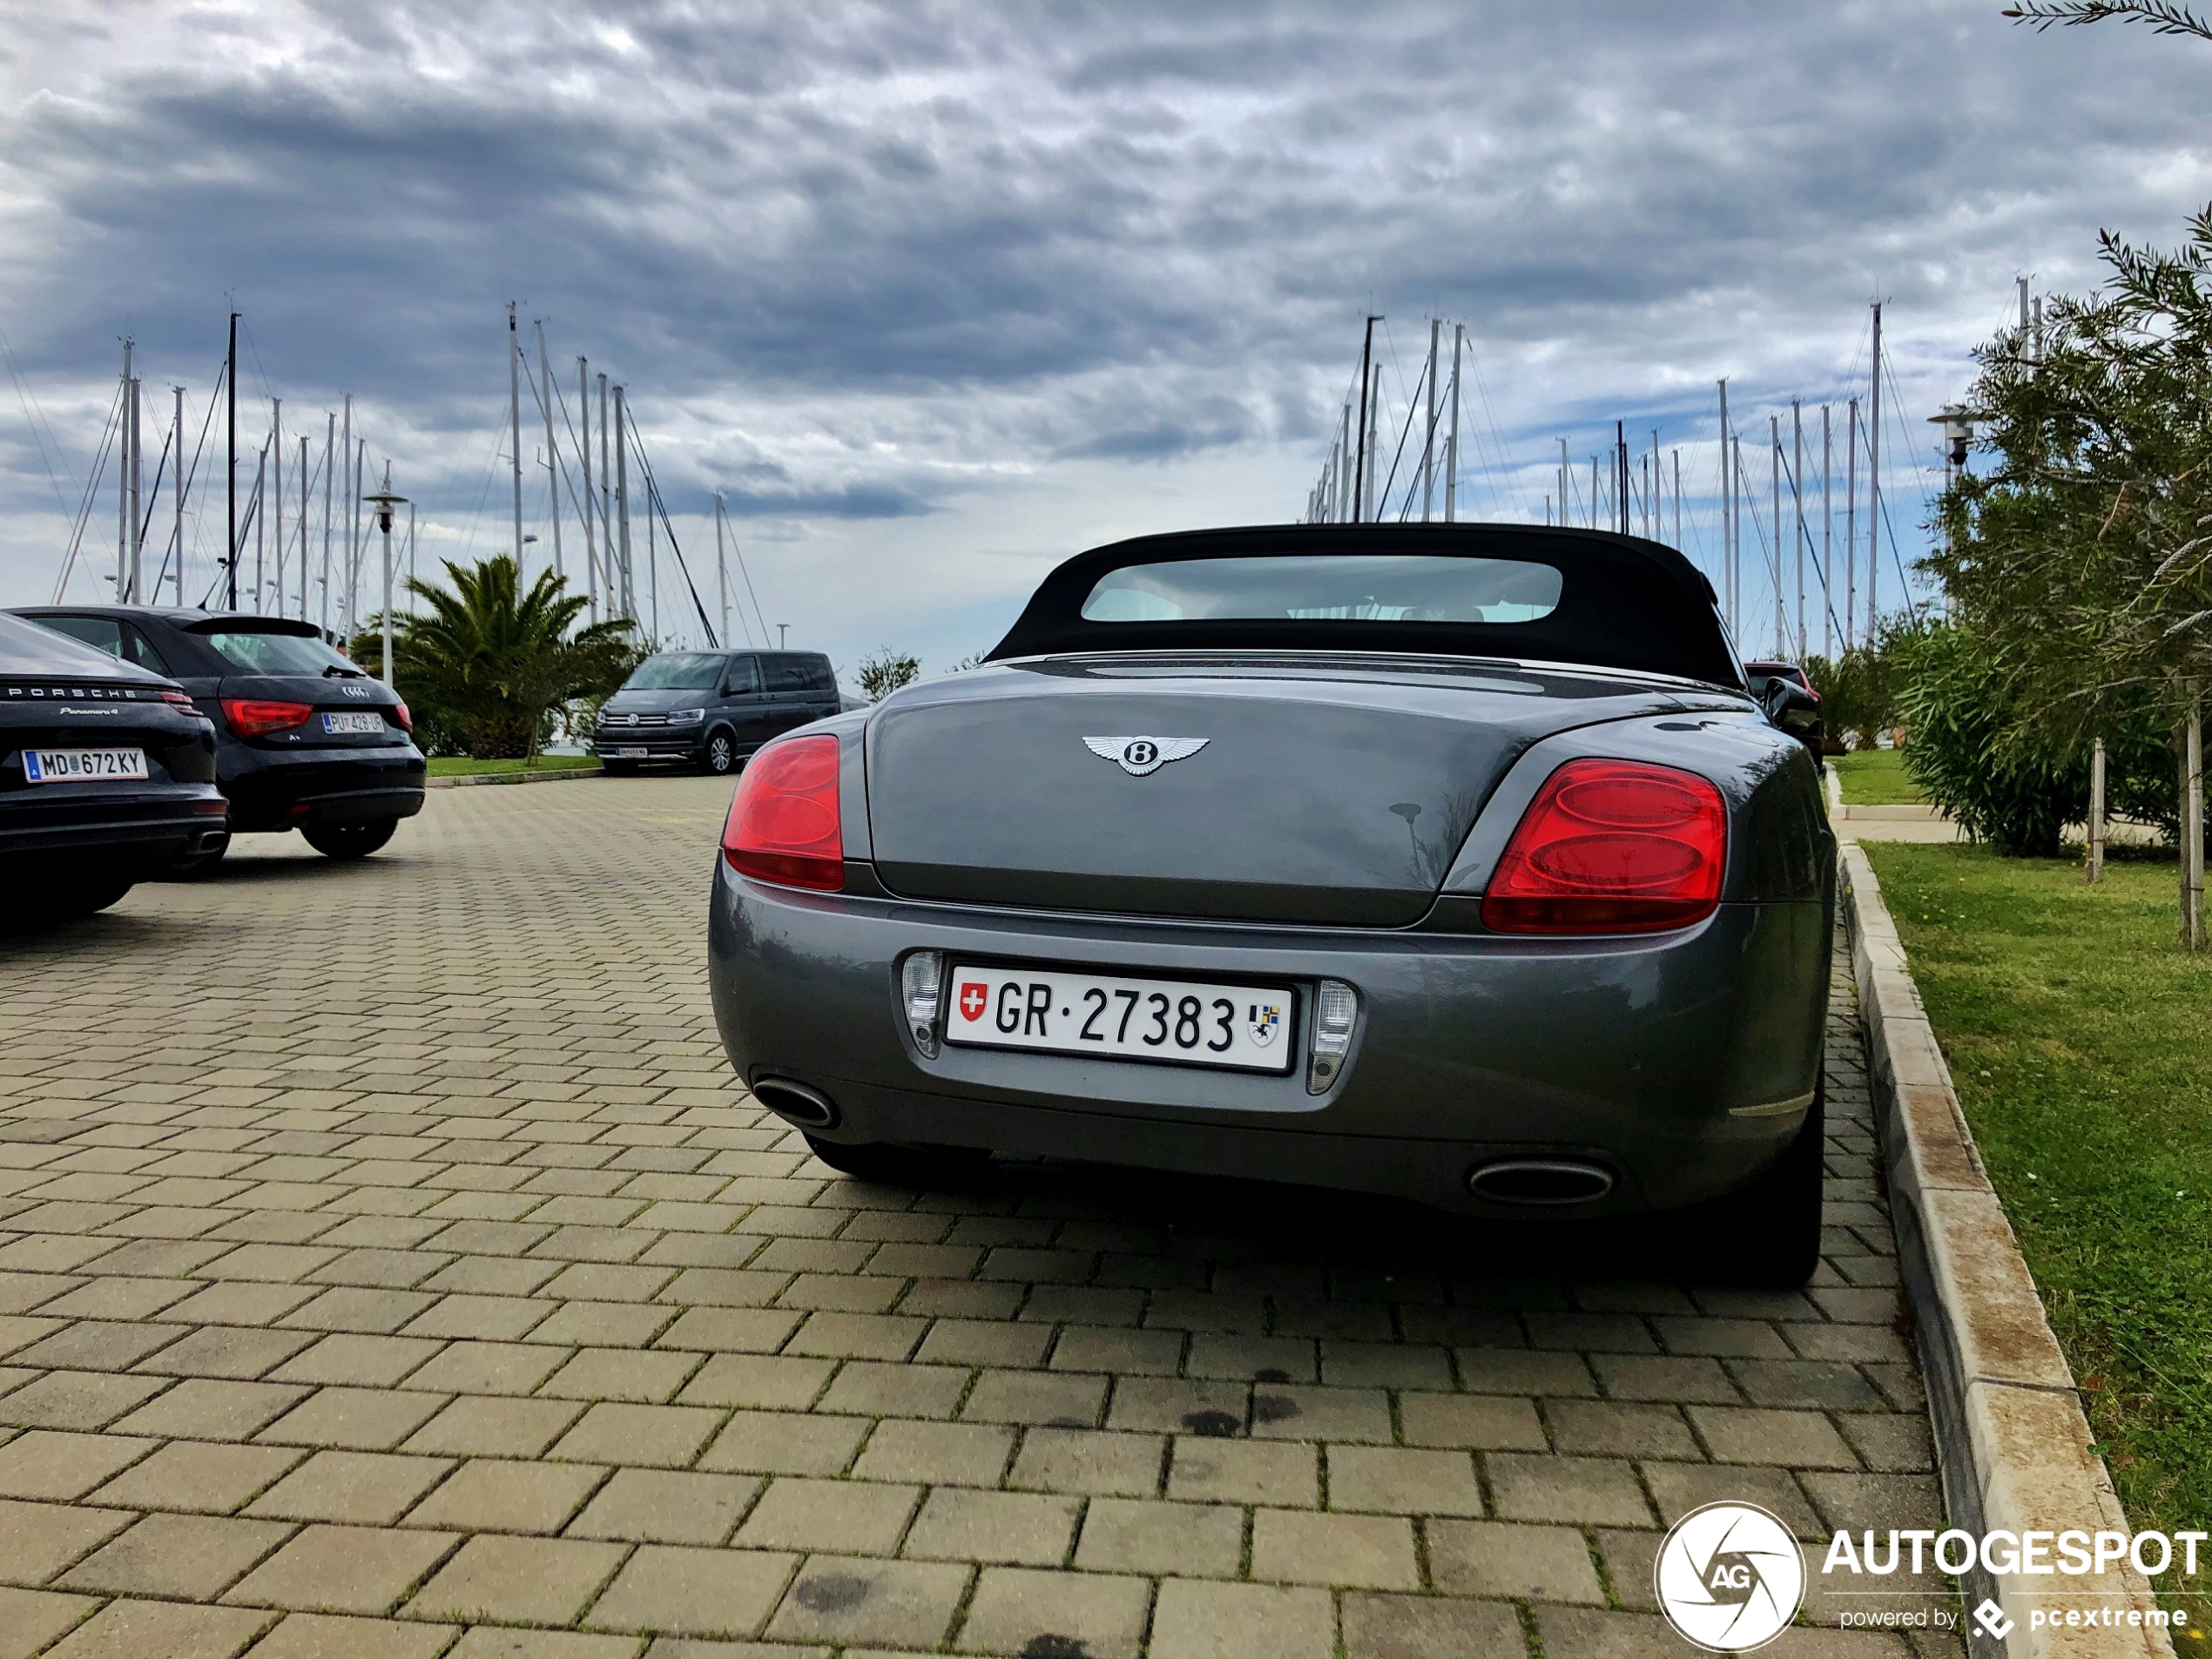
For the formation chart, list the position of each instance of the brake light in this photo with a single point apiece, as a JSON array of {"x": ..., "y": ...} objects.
[
  {"x": 1612, "y": 846},
  {"x": 252, "y": 717},
  {"x": 784, "y": 824},
  {"x": 400, "y": 713},
  {"x": 179, "y": 700}
]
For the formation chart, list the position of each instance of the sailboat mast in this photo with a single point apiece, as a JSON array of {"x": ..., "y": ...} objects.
[
  {"x": 230, "y": 477},
  {"x": 552, "y": 455},
  {"x": 515, "y": 422},
  {"x": 590, "y": 502}
]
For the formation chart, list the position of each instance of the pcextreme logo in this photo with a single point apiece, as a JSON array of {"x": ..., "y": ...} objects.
[{"x": 1730, "y": 1577}]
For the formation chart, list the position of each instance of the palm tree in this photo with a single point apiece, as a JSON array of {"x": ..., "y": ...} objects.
[{"x": 490, "y": 659}]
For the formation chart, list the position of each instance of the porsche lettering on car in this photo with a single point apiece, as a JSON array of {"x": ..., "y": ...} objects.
[{"x": 1459, "y": 864}]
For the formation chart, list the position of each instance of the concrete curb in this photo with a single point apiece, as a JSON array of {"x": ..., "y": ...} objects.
[
  {"x": 470, "y": 780},
  {"x": 2012, "y": 1443}
]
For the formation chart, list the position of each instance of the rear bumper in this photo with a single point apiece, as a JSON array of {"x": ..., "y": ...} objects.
[
  {"x": 148, "y": 830},
  {"x": 1633, "y": 1054},
  {"x": 275, "y": 790}
]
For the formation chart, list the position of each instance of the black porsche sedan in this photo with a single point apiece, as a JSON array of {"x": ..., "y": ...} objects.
[
  {"x": 107, "y": 777},
  {"x": 305, "y": 739},
  {"x": 1452, "y": 863}
]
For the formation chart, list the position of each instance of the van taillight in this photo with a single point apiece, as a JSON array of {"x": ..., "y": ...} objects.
[
  {"x": 785, "y": 826},
  {"x": 1612, "y": 846},
  {"x": 251, "y": 717}
]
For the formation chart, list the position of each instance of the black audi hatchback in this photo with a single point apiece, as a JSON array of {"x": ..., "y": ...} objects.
[
  {"x": 304, "y": 740},
  {"x": 107, "y": 777}
]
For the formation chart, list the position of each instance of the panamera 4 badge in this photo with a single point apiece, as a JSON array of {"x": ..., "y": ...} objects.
[{"x": 1140, "y": 757}]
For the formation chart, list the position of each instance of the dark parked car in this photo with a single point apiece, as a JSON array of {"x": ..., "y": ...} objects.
[
  {"x": 1455, "y": 863},
  {"x": 305, "y": 739},
  {"x": 107, "y": 777},
  {"x": 712, "y": 708}
]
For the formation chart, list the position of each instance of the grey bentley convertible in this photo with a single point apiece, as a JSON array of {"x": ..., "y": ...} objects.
[{"x": 1458, "y": 863}]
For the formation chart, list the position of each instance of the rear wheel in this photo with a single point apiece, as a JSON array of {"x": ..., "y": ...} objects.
[
  {"x": 68, "y": 899},
  {"x": 350, "y": 840},
  {"x": 1769, "y": 1234},
  {"x": 897, "y": 1165},
  {"x": 720, "y": 756}
]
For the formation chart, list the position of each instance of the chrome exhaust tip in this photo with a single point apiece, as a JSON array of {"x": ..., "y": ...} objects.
[
  {"x": 1541, "y": 1181},
  {"x": 796, "y": 1103}
]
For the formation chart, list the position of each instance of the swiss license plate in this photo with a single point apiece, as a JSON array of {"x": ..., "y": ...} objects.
[
  {"x": 351, "y": 720},
  {"x": 83, "y": 765},
  {"x": 632, "y": 754},
  {"x": 1248, "y": 1027}
]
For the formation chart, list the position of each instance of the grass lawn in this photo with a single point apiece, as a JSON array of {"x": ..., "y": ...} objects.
[
  {"x": 2078, "y": 1032},
  {"x": 460, "y": 765},
  {"x": 1875, "y": 777}
]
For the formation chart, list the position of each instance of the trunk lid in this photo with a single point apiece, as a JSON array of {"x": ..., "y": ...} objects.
[
  {"x": 1331, "y": 792},
  {"x": 340, "y": 701}
]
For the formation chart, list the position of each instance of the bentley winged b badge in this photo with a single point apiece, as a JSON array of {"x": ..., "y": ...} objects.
[{"x": 1140, "y": 757}]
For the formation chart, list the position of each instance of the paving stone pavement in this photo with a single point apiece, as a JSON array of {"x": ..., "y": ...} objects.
[{"x": 389, "y": 1266}]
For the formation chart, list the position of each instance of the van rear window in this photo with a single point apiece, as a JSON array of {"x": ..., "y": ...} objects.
[{"x": 1414, "y": 588}]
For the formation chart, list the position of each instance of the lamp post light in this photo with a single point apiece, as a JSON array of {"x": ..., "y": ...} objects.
[
  {"x": 381, "y": 502},
  {"x": 1958, "y": 423}
]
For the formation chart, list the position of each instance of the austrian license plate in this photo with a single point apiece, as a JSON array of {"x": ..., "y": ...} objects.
[
  {"x": 632, "y": 754},
  {"x": 83, "y": 765},
  {"x": 349, "y": 720},
  {"x": 1247, "y": 1027}
]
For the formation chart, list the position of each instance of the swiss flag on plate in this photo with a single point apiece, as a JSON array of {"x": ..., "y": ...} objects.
[{"x": 972, "y": 1000}]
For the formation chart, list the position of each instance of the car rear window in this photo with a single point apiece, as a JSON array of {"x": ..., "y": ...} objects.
[
  {"x": 260, "y": 652},
  {"x": 676, "y": 671},
  {"x": 1414, "y": 587}
]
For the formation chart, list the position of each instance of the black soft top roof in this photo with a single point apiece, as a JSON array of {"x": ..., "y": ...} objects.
[{"x": 1624, "y": 602}]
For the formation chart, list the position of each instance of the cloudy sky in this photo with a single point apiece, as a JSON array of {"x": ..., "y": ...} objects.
[{"x": 938, "y": 295}]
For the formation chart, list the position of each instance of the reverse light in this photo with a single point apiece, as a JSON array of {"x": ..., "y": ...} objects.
[
  {"x": 1336, "y": 1010},
  {"x": 400, "y": 714},
  {"x": 785, "y": 826},
  {"x": 253, "y": 717},
  {"x": 921, "y": 987},
  {"x": 1612, "y": 846}
]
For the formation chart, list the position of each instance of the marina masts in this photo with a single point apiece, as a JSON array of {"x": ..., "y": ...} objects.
[
  {"x": 515, "y": 423},
  {"x": 230, "y": 472},
  {"x": 552, "y": 455}
]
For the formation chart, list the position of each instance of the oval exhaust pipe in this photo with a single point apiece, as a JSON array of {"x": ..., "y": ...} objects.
[
  {"x": 795, "y": 1103},
  {"x": 1541, "y": 1181}
]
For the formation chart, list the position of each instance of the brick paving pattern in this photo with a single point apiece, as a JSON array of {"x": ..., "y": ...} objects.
[{"x": 389, "y": 1266}]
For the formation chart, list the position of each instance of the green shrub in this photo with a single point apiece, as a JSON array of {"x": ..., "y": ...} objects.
[{"x": 1970, "y": 752}]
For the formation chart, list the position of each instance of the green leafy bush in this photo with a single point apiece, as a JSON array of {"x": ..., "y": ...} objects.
[{"x": 1996, "y": 776}]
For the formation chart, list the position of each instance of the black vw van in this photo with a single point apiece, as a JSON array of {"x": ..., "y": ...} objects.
[{"x": 712, "y": 708}]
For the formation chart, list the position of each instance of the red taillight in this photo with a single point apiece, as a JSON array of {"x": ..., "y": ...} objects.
[
  {"x": 405, "y": 720},
  {"x": 178, "y": 698},
  {"x": 785, "y": 826},
  {"x": 252, "y": 717},
  {"x": 1612, "y": 846}
]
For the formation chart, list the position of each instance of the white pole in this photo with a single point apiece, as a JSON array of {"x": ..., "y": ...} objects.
[
  {"x": 276, "y": 447},
  {"x": 410, "y": 558},
  {"x": 329, "y": 471},
  {"x": 138, "y": 522},
  {"x": 1728, "y": 523},
  {"x": 1798, "y": 502},
  {"x": 622, "y": 508},
  {"x": 346, "y": 601},
  {"x": 260, "y": 518},
  {"x": 2095, "y": 870},
  {"x": 177, "y": 502},
  {"x": 1344, "y": 468},
  {"x": 1874, "y": 483},
  {"x": 583, "y": 446},
  {"x": 1780, "y": 600},
  {"x": 303, "y": 526},
  {"x": 606, "y": 512},
  {"x": 514, "y": 425},
  {"x": 552, "y": 455},
  {"x": 1374, "y": 507},
  {"x": 1851, "y": 525},
  {"x": 1428, "y": 437},
  {"x": 722, "y": 569},
  {"x": 353, "y": 544},
  {"x": 1827, "y": 535},
  {"x": 1452, "y": 447},
  {"x": 1678, "y": 501},
  {"x": 384, "y": 523},
  {"x": 123, "y": 461}
]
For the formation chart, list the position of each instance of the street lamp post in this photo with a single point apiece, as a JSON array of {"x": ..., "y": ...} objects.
[
  {"x": 381, "y": 502},
  {"x": 1958, "y": 423}
]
